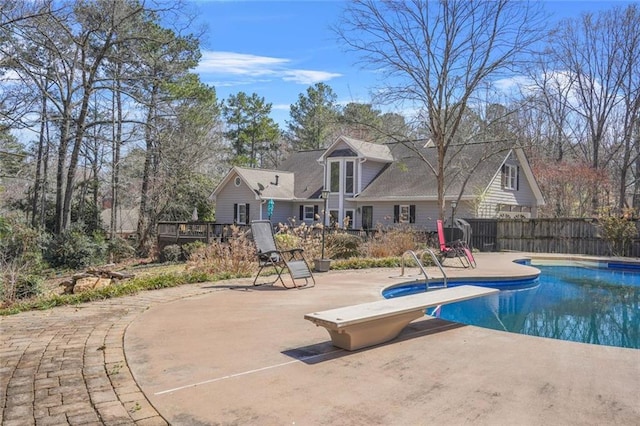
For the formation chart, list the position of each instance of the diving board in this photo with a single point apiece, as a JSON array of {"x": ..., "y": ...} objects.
[{"x": 358, "y": 326}]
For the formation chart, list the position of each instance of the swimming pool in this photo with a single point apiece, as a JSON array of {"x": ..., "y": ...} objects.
[{"x": 588, "y": 304}]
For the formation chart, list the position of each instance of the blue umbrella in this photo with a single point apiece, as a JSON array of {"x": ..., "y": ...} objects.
[{"x": 270, "y": 205}]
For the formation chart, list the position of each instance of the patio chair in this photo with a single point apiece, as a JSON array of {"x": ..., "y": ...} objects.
[
  {"x": 270, "y": 256},
  {"x": 465, "y": 227},
  {"x": 457, "y": 249}
]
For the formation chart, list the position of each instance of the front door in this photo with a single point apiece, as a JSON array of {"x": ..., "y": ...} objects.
[{"x": 367, "y": 217}]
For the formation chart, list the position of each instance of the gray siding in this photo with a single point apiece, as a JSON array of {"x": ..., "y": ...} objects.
[
  {"x": 370, "y": 170},
  {"x": 495, "y": 194},
  {"x": 230, "y": 195}
]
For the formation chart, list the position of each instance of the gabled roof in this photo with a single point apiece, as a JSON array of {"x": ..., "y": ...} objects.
[
  {"x": 411, "y": 175},
  {"x": 408, "y": 174},
  {"x": 368, "y": 150},
  {"x": 526, "y": 168},
  {"x": 263, "y": 182},
  {"x": 308, "y": 172}
]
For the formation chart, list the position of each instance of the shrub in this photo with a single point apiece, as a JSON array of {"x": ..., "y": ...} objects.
[
  {"x": 343, "y": 246},
  {"x": 171, "y": 253},
  {"x": 190, "y": 248},
  {"x": 308, "y": 238},
  {"x": 74, "y": 249},
  {"x": 119, "y": 249},
  {"x": 21, "y": 262},
  {"x": 617, "y": 230},
  {"x": 236, "y": 257},
  {"x": 391, "y": 242}
]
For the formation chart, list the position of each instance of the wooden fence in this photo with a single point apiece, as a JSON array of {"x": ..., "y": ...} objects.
[{"x": 562, "y": 235}]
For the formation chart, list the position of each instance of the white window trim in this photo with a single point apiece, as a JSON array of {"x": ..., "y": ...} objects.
[
  {"x": 353, "y": 177},
  {"x": 353, "y": 217},
  {"x": 510, "y": 176},
  {"x": 304, "y": 210},
  {"x": 329, "y": 181},
  {"x": 242, "y": 211},
  {"x": 404, "y": 213}
]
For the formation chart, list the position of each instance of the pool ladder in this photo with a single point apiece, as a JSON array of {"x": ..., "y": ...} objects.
[{"x": 418, "y": 261}]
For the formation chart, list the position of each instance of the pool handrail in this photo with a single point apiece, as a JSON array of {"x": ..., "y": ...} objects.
[{"x": 421, "y": 266}]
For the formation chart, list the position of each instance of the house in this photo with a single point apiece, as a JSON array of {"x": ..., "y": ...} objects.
[{"x": 370, "y": 184}]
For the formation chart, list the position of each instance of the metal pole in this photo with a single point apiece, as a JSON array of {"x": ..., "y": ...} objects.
[
  {"x": 324, "y": 224},
  {"x": 453, "y": 206}
]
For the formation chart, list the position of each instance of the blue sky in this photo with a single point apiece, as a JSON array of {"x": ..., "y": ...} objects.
[{"x": 278, "y": 49}]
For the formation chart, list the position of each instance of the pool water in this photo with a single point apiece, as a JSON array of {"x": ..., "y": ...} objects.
[{"x": 582, "y": 304}]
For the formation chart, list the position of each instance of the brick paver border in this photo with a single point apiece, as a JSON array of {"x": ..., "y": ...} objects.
[{"x": 67, "y": 365}]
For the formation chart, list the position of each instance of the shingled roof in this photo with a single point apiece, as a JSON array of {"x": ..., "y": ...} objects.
[
  {"x": 274, "y": 184},
  {"x": 308, "y": 171},
  {"x": 407, "y": 174},
  {"x": 410, "y": 175}
]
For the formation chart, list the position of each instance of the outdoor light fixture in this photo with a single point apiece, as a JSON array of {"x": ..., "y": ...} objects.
[{"x": 325, "y": 196}]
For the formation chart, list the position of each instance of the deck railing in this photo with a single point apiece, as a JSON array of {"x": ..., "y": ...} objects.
[{"x": 188, "y": 232}]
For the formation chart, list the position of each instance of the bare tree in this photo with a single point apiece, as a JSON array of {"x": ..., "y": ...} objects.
[
  {"x": 436, "y": 55},
  {"x": 589, "y": 49},
  {"x": 629, "y": 20}
]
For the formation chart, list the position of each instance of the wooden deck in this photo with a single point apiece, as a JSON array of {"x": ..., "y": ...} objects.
[{"x": 188, "y": 232}]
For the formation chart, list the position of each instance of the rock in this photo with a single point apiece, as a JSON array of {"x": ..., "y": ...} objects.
[
  {"x": 84, "y": 284},
  {"x": 68, "y": 286},
  {"x": 102, "y": 282}
]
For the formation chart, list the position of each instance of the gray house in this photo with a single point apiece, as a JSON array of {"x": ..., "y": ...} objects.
[{"x": 370, "y": 184}]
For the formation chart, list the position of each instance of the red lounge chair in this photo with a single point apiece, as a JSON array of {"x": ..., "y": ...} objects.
[{"x": 457, "y": 249}]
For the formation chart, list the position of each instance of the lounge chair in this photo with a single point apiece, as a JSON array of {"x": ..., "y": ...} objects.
[
  {"x": 465, "y": 227},
  {"x": 457, "y": 249},
  {"x": 269, "y": 256}
]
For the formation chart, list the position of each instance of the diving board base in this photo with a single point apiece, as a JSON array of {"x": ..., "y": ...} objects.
[
  {"x": 373, "y": 332},
  {"x": 359, "y": 326}
]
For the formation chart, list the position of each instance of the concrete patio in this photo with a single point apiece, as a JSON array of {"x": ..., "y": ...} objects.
[{"x": 236, "y": 354}]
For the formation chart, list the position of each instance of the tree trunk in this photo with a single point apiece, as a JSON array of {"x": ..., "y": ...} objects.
[
  {"x": 147, "y": 175},
  {"x": 37, "y": 187}
]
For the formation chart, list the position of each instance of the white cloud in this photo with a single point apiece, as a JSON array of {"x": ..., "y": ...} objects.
[
  {"x": 513, "y": 84},
  {"x": 308, "y": 76},
  {"x": 281, "y": 107},
  {"x": 231, "y": 68},
  {"x": 239, "y": 64}
]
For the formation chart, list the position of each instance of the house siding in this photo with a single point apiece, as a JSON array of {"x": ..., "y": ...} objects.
[
  {"x": 370, "y": 170},
  {"x": 495, "y": 194},
  {"x": 231, "y": 195}
]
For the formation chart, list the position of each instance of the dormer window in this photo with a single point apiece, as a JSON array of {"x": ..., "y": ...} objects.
[
  {"x": 334, "y": 176},
  {"x": 348, "y": 177},
  {"x": 342, "y": 176}
]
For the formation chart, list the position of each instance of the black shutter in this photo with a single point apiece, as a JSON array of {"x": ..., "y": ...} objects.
[
  {"x": 248, "y": 219},
  {"x": 412, "y": 213},
  {"x": 517, "y": 178},
  {"x": 396, "y": 213},
  {"x": 235, "y": 213},
  {"x": 503, "y": 176},
  {"x": 315, "y": 212},
  {"x": 301, "y": 212}
]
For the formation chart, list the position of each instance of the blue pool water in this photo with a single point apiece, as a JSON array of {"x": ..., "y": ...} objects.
[{"x": 583, "y": 304}]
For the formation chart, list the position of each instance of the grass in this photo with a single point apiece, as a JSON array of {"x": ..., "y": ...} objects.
[
  {"x": 165, "y": 276},
  {"x": 148, "y": 281}
]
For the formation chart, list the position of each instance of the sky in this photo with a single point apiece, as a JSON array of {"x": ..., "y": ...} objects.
[{"x": 277, "y": 49}]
